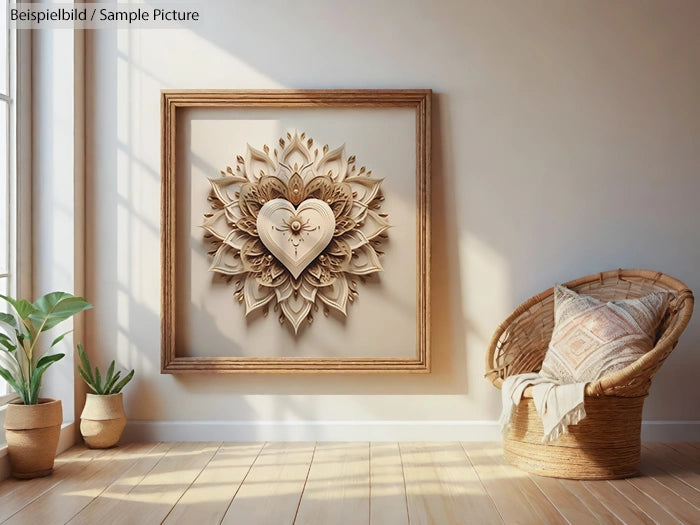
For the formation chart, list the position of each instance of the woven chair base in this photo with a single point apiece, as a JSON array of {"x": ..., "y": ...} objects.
[{"x": 606, "y": 444}]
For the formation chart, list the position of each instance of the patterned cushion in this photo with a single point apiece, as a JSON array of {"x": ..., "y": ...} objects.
[{"x": 592, "y": 338}]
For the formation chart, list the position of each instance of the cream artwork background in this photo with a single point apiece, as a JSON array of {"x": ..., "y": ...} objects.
[{"x": 381, "y": 321}]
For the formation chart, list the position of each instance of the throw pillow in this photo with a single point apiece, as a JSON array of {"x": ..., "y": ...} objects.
[{"x": 593, "y": 338}]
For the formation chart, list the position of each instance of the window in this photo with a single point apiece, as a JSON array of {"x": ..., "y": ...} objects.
[{"x": 8, "y": 162}]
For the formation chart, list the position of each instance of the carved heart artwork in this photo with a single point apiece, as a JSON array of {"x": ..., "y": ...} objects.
[
  {"x": 294, "y": 208},
  {"x": 295, "y": 236}
]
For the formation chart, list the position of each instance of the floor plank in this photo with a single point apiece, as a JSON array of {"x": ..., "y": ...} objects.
[
  {"x": 272, "y": 489},
  {"x": 443, "y": 487},
  {"x": 682, "y": 466},
  {"x": 598, "y": 511},
  {"x": 690, "y": 455},
  {"x": 515, "y": 495},
  {"x": 209, "y": 497},
  {"x": 15, "y": 494},
  {"x": 338, "y": 483},
  {"x": 567, "y": 503},
  {"x": 159, "y": 490},
  {"x": 69, "y": 497},
  {"x": 691, "y": 452},
  {"x": 618, "y": 504},
  {"x": 387, "y": 487},
  {"x": 337, "y": 487},
  {"x": 103, "y": 508},
  {"x": 646, "y": 504},
  {"x": 655, "y": 469},
  {"x": 674, "y": 504}
]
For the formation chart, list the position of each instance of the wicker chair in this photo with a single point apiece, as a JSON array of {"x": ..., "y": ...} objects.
[{"x": 606, "y": 444}]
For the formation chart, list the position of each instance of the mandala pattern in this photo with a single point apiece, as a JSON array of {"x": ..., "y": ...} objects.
[{"x": 320, "y": 228}]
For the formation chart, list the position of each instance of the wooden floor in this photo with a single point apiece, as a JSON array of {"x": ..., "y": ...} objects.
[{"x": 342, "y": 483}]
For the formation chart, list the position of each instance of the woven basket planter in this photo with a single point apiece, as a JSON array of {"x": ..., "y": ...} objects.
[
  {"x": 102, "y": 420},
  {"x": 606, "y": 443},
  {"x": 32, "y": 433}
]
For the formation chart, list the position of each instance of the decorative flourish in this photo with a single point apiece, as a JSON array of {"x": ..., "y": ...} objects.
[{"x": 295, "y": 227}]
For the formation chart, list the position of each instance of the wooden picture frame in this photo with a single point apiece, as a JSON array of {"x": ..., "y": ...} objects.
[{"x": 173, "y": 104}]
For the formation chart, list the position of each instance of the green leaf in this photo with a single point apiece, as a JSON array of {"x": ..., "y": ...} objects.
[
  {"x": 123, "y": 383},
  {"x": 48, "y": 359},
  {"x": 110, "y": 386},
  {"x": 110, "y": 374},
  {"x": 23, "y": 307},
  {"x": 87, "y": 367},
  {"x": 10, "y": 332},
  {"x": 7, "y": 343},
  {"x": 56, "y": 307},
  {"x": 59, "y": 338},
  {"x": 98, "y": 380},
  {"x": 7, "y": 376},
  {"x": 35, "y": 380},
  {"x": 86, "y": 379},
  {"x": 9, "y": 319},
  {"x": 8, "y": 360}
]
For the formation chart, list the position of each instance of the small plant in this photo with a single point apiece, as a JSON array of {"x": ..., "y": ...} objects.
[
  {"x": 22, "y": 361},
  {"x": 110, "y": 385}
]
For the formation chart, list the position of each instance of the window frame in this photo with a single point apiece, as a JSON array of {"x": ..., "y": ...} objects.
[{"x": 18, "y": 170}]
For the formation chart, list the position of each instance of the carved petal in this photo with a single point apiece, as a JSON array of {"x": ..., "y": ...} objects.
[
  {"x": 220, "y": 185},
  {"x": 355, "y": 239},
  {"x": 249, "y": 200},
  {"x": 258, "y": 163},
  {"x": 318, "y": 188},
  {"x": 296, "y": 153},
  {"x": 236, "y": 239},
  {"x": 217, "y": 225},
  {"x": 233, "y": 212},
  {"x": 295, "y": 309},
  {"x": 253, "y": 255},
  {"x": 333, "y": 163},
  {"x": 226, "y": 261},
  {"x": 256, "y": 295},
  {"x": 248, "y": 225},
  {"x": 335, "y": 295},
  {"x": 364, "y": 261},
  {"x": 373, "y": 225},
  {"x": 343, "y": 225},
  {"x": 295, "y": 191},
  {"x": 307, "y": 291},
  {"x": 366, "y": 188},
  {"x": 284, "y": 291},
  {"x": 271, "y": 188},
  {"x": 340, "y": 200},
  {"x": 358, "y": 211}
]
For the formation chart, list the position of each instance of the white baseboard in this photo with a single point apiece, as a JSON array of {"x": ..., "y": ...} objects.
[
  {"x": 359, "y": 431},
  {"x": 311, "y": 431}
]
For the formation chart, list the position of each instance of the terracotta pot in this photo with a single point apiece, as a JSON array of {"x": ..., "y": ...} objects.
[
  {"x": 103, "y": 420},
  {"x": 32, "y": 433}
]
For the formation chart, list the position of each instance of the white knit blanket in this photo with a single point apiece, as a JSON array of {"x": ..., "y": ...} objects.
[{"x": 558, "y": 405}]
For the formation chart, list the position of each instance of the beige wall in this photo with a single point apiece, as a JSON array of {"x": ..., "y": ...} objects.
[{"x": 566, "y": 141}]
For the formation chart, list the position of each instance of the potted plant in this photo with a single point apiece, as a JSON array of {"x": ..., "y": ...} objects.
[
  {"x": 103, "y": 419},
  {"x": 32, "y": 424}
]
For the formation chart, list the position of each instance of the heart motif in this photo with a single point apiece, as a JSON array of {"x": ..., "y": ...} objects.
[{"x": 295, "y": 236}]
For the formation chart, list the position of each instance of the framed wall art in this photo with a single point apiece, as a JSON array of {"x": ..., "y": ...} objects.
[{"x": 295, "y": 231}]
